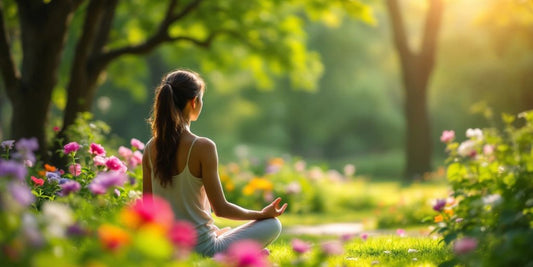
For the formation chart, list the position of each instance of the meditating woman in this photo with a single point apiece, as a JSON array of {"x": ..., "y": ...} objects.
[{"x": 182, "y": 168}]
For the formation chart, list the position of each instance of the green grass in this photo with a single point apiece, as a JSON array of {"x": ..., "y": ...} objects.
[{"x": 387, "y": 250}]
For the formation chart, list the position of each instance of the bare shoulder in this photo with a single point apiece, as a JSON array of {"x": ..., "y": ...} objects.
[{"x": 206, "y": 146}]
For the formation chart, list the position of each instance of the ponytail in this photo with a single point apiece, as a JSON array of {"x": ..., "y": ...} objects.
[{"x": 167, "y": 120}]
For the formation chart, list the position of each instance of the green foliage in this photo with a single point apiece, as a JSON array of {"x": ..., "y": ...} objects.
[{"x": 490, "y": 174}]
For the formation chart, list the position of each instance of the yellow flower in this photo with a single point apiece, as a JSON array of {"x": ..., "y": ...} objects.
[
  {"x": 438, "y": 218},
  {"x": 229, "y": 186},
  {"x": 276, "y": 162},
  {"x": 248, "y": 190}
]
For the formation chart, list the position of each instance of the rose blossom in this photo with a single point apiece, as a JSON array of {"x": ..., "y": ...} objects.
[
  {"x": 97, "y": 150},
  {"x": 114, "y": 164},
  {"x": 137, "y": 144},
  {"x": 447, "y": 136},
  {"x": 71, "y": 147},
  {"x": 75, "y": 169}
]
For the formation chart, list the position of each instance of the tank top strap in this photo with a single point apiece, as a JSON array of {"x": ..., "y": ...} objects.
[{"x": 190, "y": 149}]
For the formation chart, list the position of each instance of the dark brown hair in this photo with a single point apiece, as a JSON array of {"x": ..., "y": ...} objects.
[{"x": 168, "y": 121}]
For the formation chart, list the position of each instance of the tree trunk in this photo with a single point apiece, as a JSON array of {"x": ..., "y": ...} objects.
[
  {"x": 43, "y": 30},
  {"x": 418, "y": 135},
  {"x": 416, "y": 71}
]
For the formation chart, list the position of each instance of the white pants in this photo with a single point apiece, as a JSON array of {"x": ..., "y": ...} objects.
[{"x": 262, "y": 231}]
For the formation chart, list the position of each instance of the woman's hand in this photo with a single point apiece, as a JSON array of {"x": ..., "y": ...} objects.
[
  {"x": 273, "y": 209},
  {"x": 220, "y": 232}
]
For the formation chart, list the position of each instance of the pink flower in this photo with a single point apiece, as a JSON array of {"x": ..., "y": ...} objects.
[
  {"x": 400, "y": 232},
  {"x": 136, "y": 159},
  {"x": 364, "y": 236},
  {"x": 153, "y": 209},
  {"x": 137, "y": 144},
  {"x": 332, "y": 248},
  {"x": 97, "y": 150},
  {"x": 245, "y": 253},
  {"x": 75, "y": 169},
  {"x": 465, "y": 245},
  {"x": 488, "y": 149},
  {"x": 300, "y": 246},
  {"x": 439, "y": 205},
  {"x": 56, "y": 129},
  {"x": 125, "y": 152},
  {"x": 71, "y": 147},
  {"x": 183, "y": 235},
  {"x": 37, "y": 181},
  {"x": 99, "y": 161},
  {"x": 114, "y": 164},
  {"x": 447, "y": 136},
  {"x": 347, "y": 237}
]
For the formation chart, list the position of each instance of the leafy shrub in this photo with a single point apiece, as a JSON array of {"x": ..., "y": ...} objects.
[{"x": 489, "y": 216}]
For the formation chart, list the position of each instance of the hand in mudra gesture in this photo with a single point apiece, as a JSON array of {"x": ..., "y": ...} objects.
[{"x": 273, "y": 209}]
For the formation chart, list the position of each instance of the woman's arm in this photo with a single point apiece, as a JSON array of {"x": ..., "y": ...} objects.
[
  {"x": 147, "y": 172},
  {"x": 215, "y": 193}
]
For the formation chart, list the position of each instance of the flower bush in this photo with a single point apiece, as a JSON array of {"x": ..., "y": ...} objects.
[{"x": 489, "y": 216}]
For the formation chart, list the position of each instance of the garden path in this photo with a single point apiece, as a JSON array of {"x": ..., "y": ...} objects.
[{"x": 340, "y": 229}]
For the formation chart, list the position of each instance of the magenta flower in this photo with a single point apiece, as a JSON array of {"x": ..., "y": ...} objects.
[
  {"x": 465, "y": 245},
  {"x": 400, "y": 232},
  {"x": 114, "y": 164},
  {"x": 347, "y": 237},
  {"x": 246, "y": 253},
  {"x": 447, "y": 136},
  {"x": 13, "y": 169},
  {"x": 183, "y": 235},
  {"x": 69, "y": 187},
  {"x": 137, "y": 144},
  {"x": 300, "y": 246},
  {"x": 75, "y": 169},
  {"x": 153, "y": 209},
  {"x": 71, "y": 147},
  {"x": 332, "y": 248},
  {"x": 136, "y": 159},
  {"x": 105, "y": 180},
  {"x": 97, "y": 150},
  {"x": 439, "y": 205},
  {"x": 364, "y": 236}
]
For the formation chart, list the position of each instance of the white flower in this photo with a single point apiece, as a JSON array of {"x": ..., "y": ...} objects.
[
  {"x": 58, "y": 217},
  {"x": 134, "y": 194},
  {"x": 493, "y": 199},
  {"x": 349, "y": 170},
  {"x": 474, "y": 133},
  {"x": 293, "y": 188},
  {"x": 412, "y": 250},
  {"x": 467, "y": 148},
  {"x": 386, "y": 251}
]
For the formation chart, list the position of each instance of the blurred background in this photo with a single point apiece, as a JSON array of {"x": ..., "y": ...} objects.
[{"x": 346, "y": 106}]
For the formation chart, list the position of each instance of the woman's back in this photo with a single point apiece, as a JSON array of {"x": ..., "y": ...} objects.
[{"x": 186, "y": 194}]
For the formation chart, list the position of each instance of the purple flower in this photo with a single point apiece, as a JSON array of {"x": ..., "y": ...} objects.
[
  {"x": 27, "y": 145},
  {"x": 76, "y": 230},
  {"x": 105, "y": 180},
  {"x": 69, "y": 187},
  {"x": 53, "y": 177},
  {"x": 71, "y": 147},
  {"x": 21, "y": 193},
  {"x": 13, "y": 169},
  {"x": 439, "y": 205},
  {"x": 364, "y": 236},
  {"x": 7, "y": 144}
]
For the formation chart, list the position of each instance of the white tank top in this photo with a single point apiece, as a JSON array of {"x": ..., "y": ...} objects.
[{"x": 188, "y": 200}]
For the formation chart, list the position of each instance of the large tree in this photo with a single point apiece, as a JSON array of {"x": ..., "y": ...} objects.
[
  {"x": 417, "y": 67},
  {"x": 112, "y": 29}
]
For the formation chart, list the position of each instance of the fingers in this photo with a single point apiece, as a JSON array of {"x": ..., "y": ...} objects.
[
  {"x": 282, "y": 210},
  {"x": 276, "y": 202}
]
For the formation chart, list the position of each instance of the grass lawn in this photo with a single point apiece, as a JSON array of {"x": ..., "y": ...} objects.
[{"x": 363, "y": 201}]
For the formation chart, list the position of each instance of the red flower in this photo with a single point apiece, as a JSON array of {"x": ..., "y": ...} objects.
[
  {"x": 37, "y": 181},
  {"x": 183, "y": 235}
]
